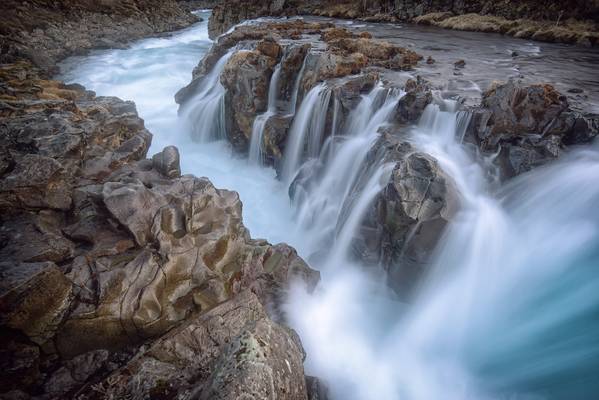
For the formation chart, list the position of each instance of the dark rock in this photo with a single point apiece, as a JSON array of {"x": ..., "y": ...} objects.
[
  {"x": 528, "y": 125},
  {"x": 459, "y": 64}
]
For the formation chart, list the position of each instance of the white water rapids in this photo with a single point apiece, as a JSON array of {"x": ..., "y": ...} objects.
[{"x": 511, "y": 308}]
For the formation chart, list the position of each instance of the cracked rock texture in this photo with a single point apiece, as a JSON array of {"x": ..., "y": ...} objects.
[{"x": 104, "y": 251}]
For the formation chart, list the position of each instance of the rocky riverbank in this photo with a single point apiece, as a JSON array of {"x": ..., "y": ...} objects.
[
  {"x": 104, "y": 252},
  {"x": 45, "y": 32},
  {"x": 573, "y": 23}
]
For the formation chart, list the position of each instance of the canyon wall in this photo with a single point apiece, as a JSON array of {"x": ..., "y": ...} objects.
[{"x": 45, "y": 31}]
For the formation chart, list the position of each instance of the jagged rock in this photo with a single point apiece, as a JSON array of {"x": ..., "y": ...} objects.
[
  {"x": 232, "y": 351},
  {"x": 35, "y": 299},
  {"x": 246, "y": 77},
  {"x": 46, "y": 32},
  {"x": 528, "y": 125},
  {"x": 408, "y": 217},
  {"x": 135, "y": 251},
  {"x": 412, "y": 104}
]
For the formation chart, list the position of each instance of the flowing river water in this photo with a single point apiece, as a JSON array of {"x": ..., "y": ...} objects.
[{"x": 511, "y": 307}]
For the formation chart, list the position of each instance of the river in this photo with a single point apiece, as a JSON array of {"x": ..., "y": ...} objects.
[{"x": 511, "y": 307}]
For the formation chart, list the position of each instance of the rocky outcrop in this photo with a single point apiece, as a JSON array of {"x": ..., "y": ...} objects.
[
  {"x": 406, "y": 220},
  {"x": 104, "y": 251},
  {"x": 47, "y": 31},
  {"x": 527, "y": 125},
  {"x": 555, "y": 21},
  {"x": 233, "y": 351},
  {"x": 308, "y": 53},
  {"x": 246, "y": 77}
]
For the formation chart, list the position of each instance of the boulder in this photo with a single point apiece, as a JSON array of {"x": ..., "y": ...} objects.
[
  {"x": 408, "y": 217},
  {"x": 527, "y": 125},
  {"x": 246, "y": 77}
]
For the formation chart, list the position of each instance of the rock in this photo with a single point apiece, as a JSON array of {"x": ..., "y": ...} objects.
[
  {"x": 104, "y": 251},
  {"x": 167, "y": 162},
  {"x": 246, "y": 77},
  {"x": 316, "y": 389},
  {"x": 459, "y": 64},
  {"x": 46, "y": 32},
  {"x": 35, "y": 299},
  {"x": 411, "y": 106},
  {"x": 528, "y": 125},
  {"x": 408, "y": 217},
  {"x": 430, "y": 60},
  {"x": 230, "y": 352}
]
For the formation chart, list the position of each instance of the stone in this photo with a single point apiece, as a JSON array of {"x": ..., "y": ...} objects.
[{"x": 232, "y": 351}]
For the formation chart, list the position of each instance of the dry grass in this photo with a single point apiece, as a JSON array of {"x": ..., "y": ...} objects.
[{"x": 569, "y": 31}]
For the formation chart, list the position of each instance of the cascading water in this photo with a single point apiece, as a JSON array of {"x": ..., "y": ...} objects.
[
  {"x": 307, "y": 130},
  {"x": 510, "y": 309},
  {"x": 320, "y": 205},
  {"x": 205, "y": 111},
  {"x": 255, "y": 153}
]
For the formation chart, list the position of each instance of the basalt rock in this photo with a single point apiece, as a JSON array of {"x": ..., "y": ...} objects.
[
  {"x": 527, "y": 125},
  {"x": 406, "y": 220},
  {"x": 104, "y": 251}
]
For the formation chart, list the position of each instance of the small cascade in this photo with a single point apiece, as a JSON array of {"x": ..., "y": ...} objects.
[
  {"x": 256, "y": 152},
  {"x": 307, "y": 130},
  {"x": 204, "y": 113},
  {"x": 320, "y": 207},
  {"x": 296, "y": 87}
]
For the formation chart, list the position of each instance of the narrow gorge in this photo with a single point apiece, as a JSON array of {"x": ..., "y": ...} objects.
[{"x": 286, "y": 200}]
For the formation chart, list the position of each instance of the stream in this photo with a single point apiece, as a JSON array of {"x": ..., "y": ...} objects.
[{"x": 510, "y": 309}]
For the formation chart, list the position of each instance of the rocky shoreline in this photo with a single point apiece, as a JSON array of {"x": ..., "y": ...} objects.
[
  {"x": 46, "y": 32},
  {"x": 553, "y": 22},
  {"x": 104, "y": 251}
]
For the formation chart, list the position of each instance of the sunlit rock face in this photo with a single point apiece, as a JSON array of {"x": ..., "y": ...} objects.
[{"x": 104, "y": 250}]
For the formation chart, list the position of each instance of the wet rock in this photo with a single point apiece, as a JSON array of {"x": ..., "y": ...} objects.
[
  {"x": 46, "y": 32},
  {"x": 528, "y": 125},
  {"x": 246, "y": 77},
  {"x": 317, "y": 390},
  {"x": 408, "y": 217},
  {"x": 459, "y": 64},
  {"x": 430, "y": 60},
  {"x": 411, "y": 106}
]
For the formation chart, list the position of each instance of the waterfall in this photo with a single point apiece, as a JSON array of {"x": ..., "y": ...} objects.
[
  {"x": 296, "y": 87},
  {"x": 204, "y": 113},
  {"x": 255, "y": 152},
  {"x": 319, "y": 209},
  {"x": 307, "y": 130}
]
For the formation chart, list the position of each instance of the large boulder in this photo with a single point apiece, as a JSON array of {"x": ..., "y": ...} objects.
[
  {"x": 527, "y": 125},
  {"x": 406, "y": 220},
  {"x": 246, "y": 77}
]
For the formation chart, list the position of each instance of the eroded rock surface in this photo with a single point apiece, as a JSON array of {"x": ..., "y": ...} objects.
[
  {"x": 527, "y": 125},
  {"x": 104, "y": 250}
]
